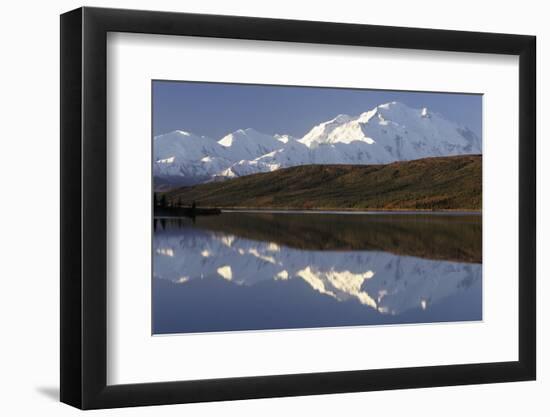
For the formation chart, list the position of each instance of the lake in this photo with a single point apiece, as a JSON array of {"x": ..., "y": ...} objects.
[{"x": 275, "y": 270}]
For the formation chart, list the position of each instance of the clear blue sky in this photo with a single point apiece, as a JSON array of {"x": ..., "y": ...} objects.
[{"x": 216, "y": 109}]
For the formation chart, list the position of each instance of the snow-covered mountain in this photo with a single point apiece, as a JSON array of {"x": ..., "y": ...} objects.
[
  {"x": 248, "y": 144},
  {"x": 187, "y": 157},
  {"x": 387, "y": 133}
]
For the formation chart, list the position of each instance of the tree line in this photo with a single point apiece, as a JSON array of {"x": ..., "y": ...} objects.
[{"x": 162, "y": 201}]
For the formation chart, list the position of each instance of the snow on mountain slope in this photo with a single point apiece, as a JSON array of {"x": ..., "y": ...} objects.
[
  {"x": 184, "y": 146},
  {"x": 184, "y": 154},
  {"x": 292, "y": 154},
  {"x": 322, "y": 132},
  {"x": 248, "y": 144},
  {"x": 387, "y": 133},
  {"x": 394, "y": 132},
  {"x": 284, "y": 138}
]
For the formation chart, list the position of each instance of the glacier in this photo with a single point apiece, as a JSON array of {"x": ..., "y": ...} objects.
[{"x": 387, "y": 133}]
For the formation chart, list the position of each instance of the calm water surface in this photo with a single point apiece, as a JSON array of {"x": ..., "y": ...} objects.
[{"x": 255, "y": 271}]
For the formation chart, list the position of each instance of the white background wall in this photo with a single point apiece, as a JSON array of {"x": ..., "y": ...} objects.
[{"x": 29, "y": 220}]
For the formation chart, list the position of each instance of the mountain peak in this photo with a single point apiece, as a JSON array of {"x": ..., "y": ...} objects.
[
  {"x": 389, "y": 132},
  {"x": 393, "y": 105},
  {"x": 183, "y": 132},
  {"x": 246, "y": 135},
  {"x": 341, "y": 118},
  {"x": 180, "y": 136},
  {"x": 246, "y": 131},
  {"x": 425, "y": 113}
]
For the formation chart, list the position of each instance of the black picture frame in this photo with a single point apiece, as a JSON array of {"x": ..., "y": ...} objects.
[{"x": 84, "y": 207}]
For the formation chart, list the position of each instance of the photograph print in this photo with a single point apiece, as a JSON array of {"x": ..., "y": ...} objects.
[{"x": 291, "y": 207}]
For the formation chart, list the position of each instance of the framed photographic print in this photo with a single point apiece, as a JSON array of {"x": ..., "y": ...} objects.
[{"x": 258, "y": 207}]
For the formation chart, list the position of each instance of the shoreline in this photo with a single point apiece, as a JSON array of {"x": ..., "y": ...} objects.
[
  {"x": 453, "y": 212},
  {"x": 448, "y": 212}
]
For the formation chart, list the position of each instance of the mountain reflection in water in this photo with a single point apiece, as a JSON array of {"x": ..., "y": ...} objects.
[{"x": 255, "y": 271}]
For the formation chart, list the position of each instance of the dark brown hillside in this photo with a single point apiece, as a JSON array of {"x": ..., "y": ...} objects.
[{"x": 441, "y": 183}]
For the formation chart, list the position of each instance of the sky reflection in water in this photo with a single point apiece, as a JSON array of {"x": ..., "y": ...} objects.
[{"x": 256, "y": 271}]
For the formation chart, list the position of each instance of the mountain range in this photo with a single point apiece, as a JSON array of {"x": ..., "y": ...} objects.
[{"x": 387, "y": 133}]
